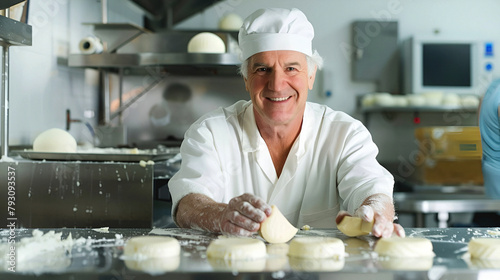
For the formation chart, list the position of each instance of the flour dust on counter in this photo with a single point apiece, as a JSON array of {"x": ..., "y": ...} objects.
[{"x": 39, "y": 252}]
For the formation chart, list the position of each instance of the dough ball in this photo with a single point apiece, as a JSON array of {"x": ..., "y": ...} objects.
[
  {"x": 206, "y": 42},
  {"x": 145, "y": 247},
  {"x": 236, "y": 248},
  {"x": 384, "y": 99},
  {"x": 399, "y": 247},
  {"x": 316, "y": 247},
  {"x": 400, "y": 101},
  {"x": 485, "y": 248},
  {"x": 354, "y": 226},
  {"x": 55, "y": 140},
  {"x": 368, "y": 100},
  {"x": 230, "y": 22},
  {"x": 433, "y": 98},
  {"x": 276, "y": 228},
  {"x": 470, "y": 101},
  {"x": 416, "y": 100},
  {"x": 451, "y": 99}
]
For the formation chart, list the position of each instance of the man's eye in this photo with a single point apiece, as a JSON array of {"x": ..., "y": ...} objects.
[
  {"x": 291, "y": 68},
  {"x": 261, "y": 69}
]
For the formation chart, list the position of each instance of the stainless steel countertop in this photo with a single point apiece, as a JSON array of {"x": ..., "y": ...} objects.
[{"x": 99, "y": 257}]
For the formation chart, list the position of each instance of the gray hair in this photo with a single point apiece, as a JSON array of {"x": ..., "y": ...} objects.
[{"x": 312, "y": 62}]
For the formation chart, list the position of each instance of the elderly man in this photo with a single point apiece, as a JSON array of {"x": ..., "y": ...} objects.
[{"x": 315, "y": 164}]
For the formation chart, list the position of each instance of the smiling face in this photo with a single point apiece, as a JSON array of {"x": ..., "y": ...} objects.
[{"x": 278, "y": 83}]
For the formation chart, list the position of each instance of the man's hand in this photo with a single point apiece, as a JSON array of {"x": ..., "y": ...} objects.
[
  {"x": 380, "y": 210},
  {"x": 243, "y": 215}
]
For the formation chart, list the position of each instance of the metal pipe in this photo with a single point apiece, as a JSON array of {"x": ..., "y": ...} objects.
[
  {"x": 104, "y": 11},
  {"x": 5, "y": 97},
  {"x": 120, "y": 92}
]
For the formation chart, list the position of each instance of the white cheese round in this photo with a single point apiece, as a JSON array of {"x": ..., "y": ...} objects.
[
  {"x": 206, "y": 42},
  {"x": 231, "y": 22},
  {"x": 236, "y": 248},
  {"x": 485, "y": 248},
  {"x": 145, "y": 247},
  {"x": 55, "y": 140},
  {"x": 316, "y": 247},
  {"x": 407, "y": 247}
]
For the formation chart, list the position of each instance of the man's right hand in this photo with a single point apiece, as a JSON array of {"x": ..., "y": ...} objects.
[{"x": 243, "y": 215}]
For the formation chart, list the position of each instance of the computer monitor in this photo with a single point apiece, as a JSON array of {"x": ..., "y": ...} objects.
[{"x": 448, "y": 65}]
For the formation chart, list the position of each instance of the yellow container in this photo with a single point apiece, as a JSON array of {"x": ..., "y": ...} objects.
[
  {"x": 450, "y": 142},
  {"x": 449, "y": 155}
]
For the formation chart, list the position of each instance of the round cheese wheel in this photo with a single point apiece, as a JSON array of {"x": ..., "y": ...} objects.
[
  {"x": 485, "y": 248},
  {"x": 384, "y": 99},
  {"x": 368, "y": 100},
  {"x": 451, "y": 99},
  {"x": 433, "y": 98},
  {"x": 470, "y": 101},
  {"x": 206, "y": 42},
  {"x": 398, "y": 247},
  {"x": 315, "y": 247},
  {"x": 230, "y": 22},
  {"x": 145, "y": 247},
  {"x": 236, "y": 248},
  {"x": 400, "y": 101},
  {"x": 55, "y": 140},
  {"x": 416, "y": 100}
]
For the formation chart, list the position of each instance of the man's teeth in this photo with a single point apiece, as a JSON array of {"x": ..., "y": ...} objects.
[{"x": 279, "y": 99}]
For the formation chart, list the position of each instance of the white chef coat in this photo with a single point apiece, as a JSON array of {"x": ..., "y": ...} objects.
[{"x": 330, "y": 167}]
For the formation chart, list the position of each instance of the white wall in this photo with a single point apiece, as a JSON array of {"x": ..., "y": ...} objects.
[{"x": 332, "y": 20}]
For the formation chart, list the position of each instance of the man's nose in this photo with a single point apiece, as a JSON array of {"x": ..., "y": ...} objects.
[{"x": 276, "y": 80}]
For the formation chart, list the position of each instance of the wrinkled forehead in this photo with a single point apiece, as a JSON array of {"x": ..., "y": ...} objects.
[{"x": 282, "y": 57}]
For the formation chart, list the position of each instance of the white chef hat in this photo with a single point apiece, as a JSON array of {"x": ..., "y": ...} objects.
[{"x": 275, "y": 29}]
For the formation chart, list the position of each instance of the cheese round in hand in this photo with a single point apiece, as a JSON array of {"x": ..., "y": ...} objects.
[
  {"x": 144, "y": 247},
  {"x": 55, "y": 140},
  {"x": 236, "y": 248},
  {"x": 354, "y": 226},
  {"x": 404, "y": 247},
  {"x": 316, "y": 247},
  {"x": 276, "y": 228},
  {"x": 485, "y": 248}
]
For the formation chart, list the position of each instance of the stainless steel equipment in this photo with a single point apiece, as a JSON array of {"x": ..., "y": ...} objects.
[
  {"x": 442, "y": 204},
  {"x": 99, "y": 256},
  {"x": 77, "y": 194}
]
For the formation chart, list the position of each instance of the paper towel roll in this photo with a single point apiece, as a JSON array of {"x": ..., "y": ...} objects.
[{"x": 90, "y": 45}]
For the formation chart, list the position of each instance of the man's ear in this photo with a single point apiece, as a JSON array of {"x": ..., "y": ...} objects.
[
  {"x": 246, "y": 84},
  {"x": 310, "y": 81}
]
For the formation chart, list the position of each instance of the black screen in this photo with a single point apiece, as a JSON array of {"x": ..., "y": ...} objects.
[{"x": 446, "y": 65}]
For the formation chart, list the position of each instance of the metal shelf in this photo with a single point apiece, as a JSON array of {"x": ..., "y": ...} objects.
[
  {"x": 15, "y": 33},
  {"x": 412, "y": 109},
  {"x": 176, "y": 63}
]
